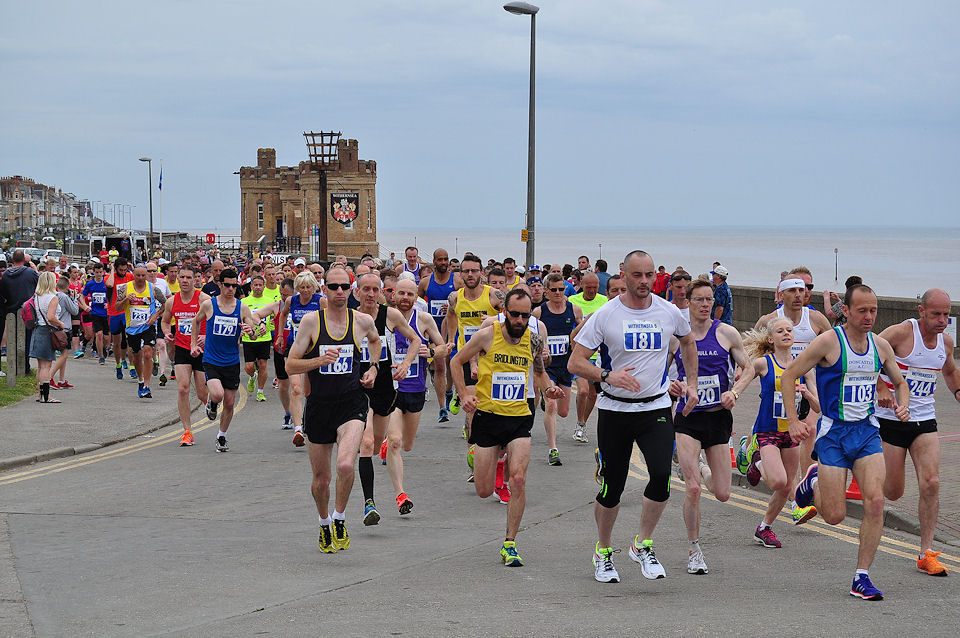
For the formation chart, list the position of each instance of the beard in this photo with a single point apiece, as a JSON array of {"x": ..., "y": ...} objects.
[{"x": 515, "y": 333}]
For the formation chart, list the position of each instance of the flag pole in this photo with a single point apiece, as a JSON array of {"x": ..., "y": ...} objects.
[{"x": 160, "y": 198}]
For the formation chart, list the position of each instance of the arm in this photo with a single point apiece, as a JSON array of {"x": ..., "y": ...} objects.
[
  {"x": 451, "y": 321},
  {"x": 51, "y": 316},
  {"x": 828, "y": 306},
  {"x": 889, "y": 362},
  {"x": 480, "y": 342},
  {"x": 122, "y": 300},
  {"x": 951, "y": 374},
  {"x": 428, "y": 328},
  {"x": 72, "y": 306},
  {"x": 819, "y": 322},
  {"x": 296, "y": 364},
  {"x": 249, "y": 326},
  {"x": 543, "y": 338},
  {"x": 206, "y": 307},
  {"x": 166, "y": 319},
  {"x": 367, "y": 328},
  {"x": 688, "y": 353},
  {"x": 541, "y": 380},
  {"x": 815, "y": 352},
  {"x": 281, "y": 323},
  {"x": 397, "y": 323},
  {"x": 497, "y": 298},
  {"x": 161, "y": 302}
]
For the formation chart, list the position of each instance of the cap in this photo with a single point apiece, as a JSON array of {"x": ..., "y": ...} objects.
[
  {"x": 300, "y": 261},
  {"x": 533, "y": 279},
  {"x": 535, "y": 267},
  {"x": 720, "y": 270},
  {"x": 520, "y": 269}
]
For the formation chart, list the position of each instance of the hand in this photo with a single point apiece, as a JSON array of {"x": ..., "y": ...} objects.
[
  {"x": 623, "y": 379},
  {"x": 728, "y": 400},
  {"x": 798, "y": 429},
  {"x": 368, "y": 378},
  {"x": 469, "y": 403},
  {"x": 400, "y": 370},
  {"x": 902, "y": 412},
  {"x": 424, "y": 351},
  {"x": 247, "y": 330},
  {"x": 885, "y": 396},
  {"x": 328, "y": 357},
  {"x": 278, "y": 342},
  {"x": 169, "y": 338},
  {"x": 201, "y": 340},
  {"x": 677, "y": 388},
  {"x": 692, "y": 400},
  {"x": 195, "y": 350},
  {"x": 554, "y": 392}
]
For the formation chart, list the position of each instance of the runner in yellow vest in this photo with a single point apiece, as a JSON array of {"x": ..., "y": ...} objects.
[{"x": 256, "y": 348}]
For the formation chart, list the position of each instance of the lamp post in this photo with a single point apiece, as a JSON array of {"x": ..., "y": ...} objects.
[
  {"x": 523, "y": 8},
  {"x": 150, "y": 179}
]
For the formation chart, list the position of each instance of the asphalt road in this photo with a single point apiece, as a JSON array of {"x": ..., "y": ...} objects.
[{"x": 146, "y": 538}]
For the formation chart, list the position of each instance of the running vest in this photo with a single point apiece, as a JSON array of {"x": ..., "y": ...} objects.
[
  {"x": 183, "y": 314},
  {"x": 272, "y": 294},
  {"x": 920, "y": 369},
  {"x": 436, "y": 296},
  {"x": 333, "y": 381},
  {"x": 470, "y": 314},
  {"x": 416, "y": 273},
  {"x": 772, "y": 417},
  {"x": 803, "y": 332},
  {"x": 559, "y": 326},
  {"x": 254, "y": 304},
  {"x": 416, "y": 379},
  {"x": 297, "y": 311},
  {"x": 847, "y": 387},
  {"x": 223, "y": 334},
  {"x": 714, "y": 367},
  {"x": 513, "y": 284},
  {"x": 533, "y": 327},
  {"x": 588, "y": 307},
  {"x": 174, "y": 286},
  {"x": 502, "y": 376},
  {"x": 139, "y": 308},
  {"x": 384, "y": 371}
]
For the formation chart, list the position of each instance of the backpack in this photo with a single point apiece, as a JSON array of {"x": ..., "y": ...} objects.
[{"x": 29, "y": 312}]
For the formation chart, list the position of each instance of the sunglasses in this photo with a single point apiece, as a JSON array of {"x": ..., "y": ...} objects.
[
  {"x": 338, "y": 286},
  {"x": 516, "y": 314},
  {"x": 556, "y": 289},
  {"x": 226, "y": 285},
  {"x": 388, "y": 289},
  {"x": 809, "y": 286}
]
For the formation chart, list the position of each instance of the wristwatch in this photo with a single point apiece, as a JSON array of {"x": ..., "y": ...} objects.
[{"x": 604, "y": 374}]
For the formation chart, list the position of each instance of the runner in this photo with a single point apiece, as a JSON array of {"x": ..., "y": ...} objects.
[
  {"x": 256, "y": 349},
  {"x": 848, "y": 360},
  {"x": 96, "y": 291},
  {"x": 589, "y": 300},
  {"x": 383, "y": 394},
  {"x": 679, "y": 281},
  {"x": 160, "y": 360},
  {"x": 336, "y": 408},
  {"x": 436, "y": 290},
  {"x": 503, "y": 418},
  {"x": 634, "y": 406},
  {"x": 412, "y": 263},
  {"x": 772, "y": 454},
  {"x": 921, "y": 349},
  {"x": 710, "y": 424},
  {"x": 181, "y": 309},
  {"x": 118, "y": 276},
  {"x": 511, "y": 278},
  {"x": 142, "y": 304},
  {"x": 226, "y": 319}
]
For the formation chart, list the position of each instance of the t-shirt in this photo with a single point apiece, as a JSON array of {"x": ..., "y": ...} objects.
[
  {"x": 723, "y": 299},
  {"x": 637, "y": 338},
  {"x": 163, "y": 287},
  {"x": 604, "y": 277},
  {"x": 211, "y": 288},
  {"x": 97, "y": 293}
]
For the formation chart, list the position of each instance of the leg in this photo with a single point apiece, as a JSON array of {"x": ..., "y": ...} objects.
[
  {"x": 925, "y": 453},
  {"x": 485, "y": 469},
  {"x": 411, "y": 423},
  {"x": 200, "y": 384},
  {"x": 261, "y": 374},
  {"x": 440, "y": 368},
  {"x": 829, "y": 493},
  {"x": 394, "y": 442},
  {"x": 320, "y": 487},
  {"x": 226, "y": 415},
  {"x": 283, "y": 391},
  {"x": 688, "y": 452},
  {"x": 718, "y": 482},
  {"x": 894, "y": 458},
  {"x": 868, "y": 471},
  {"x": 146, "y": 365},
  {"x": 296, "y": 400},
  {"x": 518, "y": 450},
  {"x": 779, "y": 470},
  {"x": 615, "y": 442},
  {"x": 183, "y": 393},
  {"x": 215, "y": 390},
  {"x": 348, "y": 442},
  {"x": 553, "y": 409},
  {"x": 583, "y": 390},
  {"x": 655, "y": 440}
]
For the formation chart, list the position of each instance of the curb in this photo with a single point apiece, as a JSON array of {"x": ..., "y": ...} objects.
[{"x": 168, "y": 419}]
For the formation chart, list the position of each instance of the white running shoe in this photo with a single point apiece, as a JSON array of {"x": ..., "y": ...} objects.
[
  {"x": 603, "y": 562},
  {"x": 578, "y": 434},
  {"x": 650, "y": 567},
  {"x": 696, "y": 564}
]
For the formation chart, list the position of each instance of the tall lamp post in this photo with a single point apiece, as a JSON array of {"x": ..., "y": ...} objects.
[
  {"x": 150, "y": 178},
  {"x": 523, "y": 8}
]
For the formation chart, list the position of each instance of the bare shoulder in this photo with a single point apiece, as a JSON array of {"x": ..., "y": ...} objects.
[{"x": 762, "y": 321}]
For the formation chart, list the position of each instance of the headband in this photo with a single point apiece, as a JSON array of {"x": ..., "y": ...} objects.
[{"x": 787, "y": 284}]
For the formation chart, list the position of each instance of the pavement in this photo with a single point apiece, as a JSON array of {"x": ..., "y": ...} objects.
[{"x": 145, "y": 537}]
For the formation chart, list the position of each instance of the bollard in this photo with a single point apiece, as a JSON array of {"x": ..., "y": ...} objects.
[{"x": 10, "y": 329}]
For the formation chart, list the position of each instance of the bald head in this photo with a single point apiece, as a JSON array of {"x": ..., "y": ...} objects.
[
  {"x": 935, "y": 296},
  {"x": 590, "y": 284}
]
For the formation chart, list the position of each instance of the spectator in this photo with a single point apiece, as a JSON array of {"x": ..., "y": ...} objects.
[
  {"x": 722, "y": 299},
  {"x": 47, "y": 307},
  {"x": 662, "y": 283},
  {"x": 833, "y": 303},
  {"x": 18, "y": 284},
  {"x": 391, "y": 261},
  {"x": 602, "y": 274}
]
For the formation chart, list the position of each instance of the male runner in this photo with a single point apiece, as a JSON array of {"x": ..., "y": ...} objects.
[
  {"x": 502, "y": 414},
  {"x": 678, "y": 286},
  {"x": 324, "y": 348},
  {"x": 589, "y": 300},
  {"x": 182, "y": 308},
  {"x": 142, "y": 304},
  {"x": 96, "y": 291},
  {"x": 510, "y": 273},
  {"x": 848, "y": 360},
  {"x": 922, "y": 349},
  {"x": 226, "y": 319},
  {"x": 411, "y": 263},
  {"x": 436, "y": 290},
  {"x": 636, "y": 329},
  {"x": 118, "y": 277},
  {"x": 256, "y": 349}
]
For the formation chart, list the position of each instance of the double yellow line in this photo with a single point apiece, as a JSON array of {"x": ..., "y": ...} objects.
[
  {"x": 116, "y": 451},
  {"x": 841, "y": 531}
]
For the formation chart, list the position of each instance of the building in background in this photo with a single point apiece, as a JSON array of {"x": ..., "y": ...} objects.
[{"x": 26, "y": 205}]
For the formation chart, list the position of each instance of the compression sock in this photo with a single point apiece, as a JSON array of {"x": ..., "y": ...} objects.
[{"x": 365, "y": 467}]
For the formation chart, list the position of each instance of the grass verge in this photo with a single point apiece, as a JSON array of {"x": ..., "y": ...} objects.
[{"x": 25, "y": 387}]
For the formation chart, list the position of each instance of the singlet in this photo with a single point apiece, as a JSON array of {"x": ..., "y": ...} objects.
[
  {"x": 803, "y": 332},
  {"x": 503, "y": 375},
  {"x": 920, "y": 369},
  {"x": 559, "y": 326},
  {"x": 416, "y": 379},
  {"x": 384, "y": 372},
  {"x": 331, "y": 382},
  {"x": 470, "y": 314},
  {"x": 174, "y": 286},
  {"x": 416, "y": 273},
  {"x": 714, "y": 369},
  {"x": 184, "y": 313},
  {"x": 97, "y": 291},
  {"x": 139, "y": 308},
  {"x": 223, "y": 332},
  {"x": 297, "y": 311},
  {"x": 533, "y": 327},
  {"x": 588, "y": 307},
  {"x": 437, "y": 296},
  {"x": 117, "y": 282},
  {"x": 352, "y": 302},
  {"x": 772, "y": 417},
  {"x": 513, "y": 284},
  {"x": 273, "y": 294},
  {"x": 847, "y": 387},
  {"x": 256, "y": 303}
]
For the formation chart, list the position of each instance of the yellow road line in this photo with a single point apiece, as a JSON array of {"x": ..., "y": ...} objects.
[{"x": 87, "y": 459}]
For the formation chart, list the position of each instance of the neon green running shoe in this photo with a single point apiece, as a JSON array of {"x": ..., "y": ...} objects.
[
  {"x": 252, "y": 383},
  {"x": 470, "y": 452},
  {"x": 455, "y": 403},
  {"x": 509, "y": 555},
  {"x": 748, "y": 444},
  {"x": 260, "y": 397}
]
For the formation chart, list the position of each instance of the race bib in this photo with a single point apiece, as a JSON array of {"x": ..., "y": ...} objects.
[
  {"x": 642, "y": 335},
  {"x": 225, "y": 326},
  {"x": 779, "y": 411},
  {"x": 365, "y": 353},
  {"x": 797, "y": 348},
  {"x": 469, "y": 331},
  {"x": 438, "y": 307},
  {"x": 343, "y": 364},
  {"x": 558, "y": 345},
  {"x": 139, "y": 315},
  {"x": 922, "y": 381},
  {"x": 99, "y": 297},
  {"x": 708, "y": 391},
  {"x": 185, "y": 327},
  {"x": 858, "y": 392},
  {"x": 508, "y": 386},
  {"x": 414, "y": 370}
]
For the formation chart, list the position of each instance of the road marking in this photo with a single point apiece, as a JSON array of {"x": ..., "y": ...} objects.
[{"x": 114, "y": 452}]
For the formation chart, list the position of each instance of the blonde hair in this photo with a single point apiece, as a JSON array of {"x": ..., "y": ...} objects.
[
  {"x": 47, "y": 284},
  {"x": 757, "y": 342},
  {"x": 305, "y": 277}
]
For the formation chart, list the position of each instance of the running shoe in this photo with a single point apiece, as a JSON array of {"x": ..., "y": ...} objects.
[
  {"x": 252, "y": 383},
  {"x": 443, "y": 418},
  {"x": 186, "y": 439},
  {"x": 287, "y": 422},
  {"x": 260, "y": 397},
  {"x": 383, "y": 451},
  {"x": 119, "y": 373},
  {"x": 139, "y": 393},
  {"x": 553, "y": 457},
  {"x": 404, "y": 504},
  {"x": 455, "y": 404},
  {"x": 156, "y": 368},
  {"x": 326, "y": 540},
  {"x": 470, "y": 452},
  {"x": 742, "y": 459},
  {"x": 863, "y": 588},
  {"x": 163, "y": 380},
  {"x": 133, "y": 373},
  {"x": 801, "y": 515},
  {"x": 370, "y": 514},
  {"x": 276, "y": 384},
  {"x": 642, "y": 552},
  {"x": 222, "y": 444},
  {"x": 928, "y": 563},
  {"x": 502, "y": 494},
  {"x": 767, "y": 538},
  {"x": 341, "y": 540},
  {"x": 78, "y": 354},
  {"x": 695, "y": 563},
  {"x": 603, "y": 563},
  {"x": 509, "y": 555},
  {"x": 753, "y": 472},
  {"x": 102, "y": 360},
  {"x": 146, "y": 392},
  {"x": 578, "y": 434},
  {"x": 804, "y": 492},
  {"x": 124, "y": 364},
  {"x": 211, "y": 410},
  {"x": 173, "y": 375},
  {"x": 470, "y": 478},
  {"x": 298, "y": 439},
  {"x": 463, "y": 431},
  {"x": 65, "y": 384},
  {"x": 598, "y": 473}
]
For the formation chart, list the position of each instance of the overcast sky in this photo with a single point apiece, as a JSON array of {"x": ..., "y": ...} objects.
[{"x": 648, "y": 113}]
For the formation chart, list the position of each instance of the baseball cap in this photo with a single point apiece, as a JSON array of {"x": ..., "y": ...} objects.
[
  {"x": 300, "y": 261},
  {"x": 535, "y": 267},
  {"x": 533, "y": 279},
  {"x": 520, "y": 269},
  {"x": 720, "y": 270}
]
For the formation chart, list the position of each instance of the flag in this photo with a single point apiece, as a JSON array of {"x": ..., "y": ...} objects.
[{"x": 160, "y": 203}]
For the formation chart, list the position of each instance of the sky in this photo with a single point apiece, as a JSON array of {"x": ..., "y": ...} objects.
[{"x": 649, "y": 113}]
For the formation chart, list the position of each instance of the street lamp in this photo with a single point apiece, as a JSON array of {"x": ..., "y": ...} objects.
[
  {"x": 523, "y": 8},
  {"x": 150, "y": 171}
]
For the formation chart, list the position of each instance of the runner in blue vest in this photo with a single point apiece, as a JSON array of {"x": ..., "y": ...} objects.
[{"x": 436, "y": 290}]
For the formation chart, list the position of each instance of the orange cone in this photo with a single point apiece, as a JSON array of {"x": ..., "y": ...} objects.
[
  {"x": 733, "y": 457},
  {"x": 853, "y": 492}
]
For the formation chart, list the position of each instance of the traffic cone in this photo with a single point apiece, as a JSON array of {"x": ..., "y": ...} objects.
[
  {"x": 853, "y": 492},
  {"x": 733, "y": 456}
]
